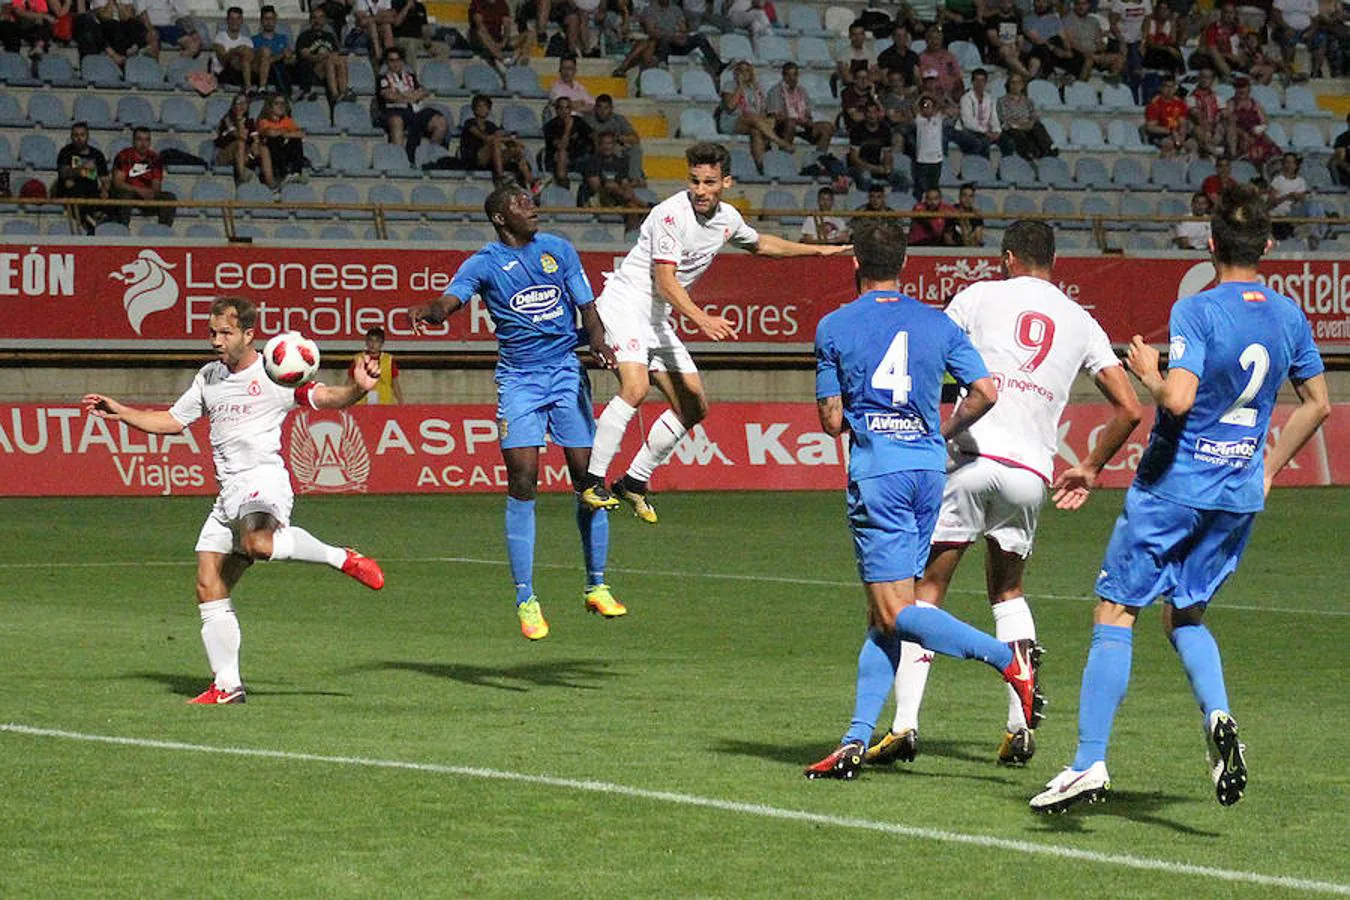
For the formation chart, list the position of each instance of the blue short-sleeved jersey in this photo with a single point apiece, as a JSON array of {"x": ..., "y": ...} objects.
[
  {"x": 1241, "y": 340},
  {"x": 532, "y": 293},
  {"x": 884, "y": 355}
]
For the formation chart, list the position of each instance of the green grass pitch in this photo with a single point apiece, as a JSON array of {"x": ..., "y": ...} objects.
[{"x": 689, "y": 720}]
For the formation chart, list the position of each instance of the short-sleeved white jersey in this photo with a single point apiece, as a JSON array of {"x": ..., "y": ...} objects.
[
  {"x": 674, "y": 233},
  {"x": 1034, "y": 341},
  {"x": 245, "y": 409}
]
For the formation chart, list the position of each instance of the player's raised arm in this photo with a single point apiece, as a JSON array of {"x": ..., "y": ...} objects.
[
  {"x": 1075, "y": 483},
  {"x": 434, "y": 312},
  {"x": 153, "y": 421},
  {"x": 364, "y": 378},
  {"x": 669, "y": 287},
  {"x": 774, "y": 246}
]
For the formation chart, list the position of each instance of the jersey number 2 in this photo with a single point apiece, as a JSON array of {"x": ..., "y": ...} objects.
[
  {"x": 892, "y": 374},
  {"x": 1256, "y": 358},
  {"x": 1035, "y": 332}
]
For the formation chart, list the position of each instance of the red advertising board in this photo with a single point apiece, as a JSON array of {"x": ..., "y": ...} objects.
[
  {"x": 56, "y": 450},
  {"x": 100, "y": 296}
]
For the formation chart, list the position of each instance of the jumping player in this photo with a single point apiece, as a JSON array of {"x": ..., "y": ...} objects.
[
  {"x": 533, "y": 285},
  {"x": 1035, "y": 340},
  {"x": 879, "y": 367},
  {"x": 251, "y": 517},
  {"x": 1189, "y": 514},
  {"x": 677, "y": 243}
]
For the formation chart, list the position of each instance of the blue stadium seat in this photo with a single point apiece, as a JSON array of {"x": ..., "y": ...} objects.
[
  {"x": 387, "y": 195},
  {"x": 7, "y": 160},
  {"x": 135, "y": 111},
  {"x": 426, "y": 153},
  {"x": 216, "y": 106},
  {"x": 1086, "y": 134},
  {"x": 93, "y": 109},
  {"x": 204, "y": 230},
  {"x": 735, "y": 46},
  {"x": 814, "y": 53},
  {"x": 37, "y": 151},
  {"x": 1299, "y": 99},
  {"x": 948, "y": 177},
  {"x": 1316, "y": 174},
  {"x": 1090, "y": 172},
  {"x": 468, "y": 234},
  {"x": 697, "y": 85},
  {"x": 1140, "y": 205},
  {"x": 1169, "y": 174},
  {"x": 1174, "y": 205},
  {"x": 1044, "y": 94},
  {"x": 561, "y": 197},
  {"x": 777, "y": 198},
  {"x": 1197, "y": 172},
  {"x": 1082, "y": 96},
  {"x": 153, "y": 229},
  {"x": 16, "y": 71},
  {"x": 423, "y": 234},
  {"x": 177, "y": 73},
  {"x": 773, "y": 49},
  {"x": 781, "y": 166},
  {"x": 181, "y": 114},
  {"x": 697, "y": 124},
  {"x": 1016, "y": 171},
  {"x": 96, "y": 69},
  {"x": 1137, "y": 243},
  {"x": 1243, "y": 171},
  {"x": 292, "y": 192},
  {"x": 657, "y": 84},
  {"x": 804, "y": 19},
  {"x": 979, "y": 170},
  {"x": 56, "y": 71},
  {"x": 522, "y": 81},
  {"x": 1072, "y": 241},
  {"x": 336, "y": 233},
  {"x": 1307, "y": 137},
  {"x": 1057, "y": 204},
  {"x": 480, "y": 78},
  {"x": 1128, "y": 173},
  {"x": 1275, "y": 131},
  {"x": 437, "y": 77},
  {"x": 1124, "y": 135},
  {"x": 47, "y": 110},
  {"x": 470, "y": 195},
  {"x": 360, "y": 76},
  {"x": 1096, "y": 205},
  {"x": 522, "y": 119},
  {"x": 345, "y": 193},
  {"x": 1052, "y": 171},
  {"x": 354, "y": 119},
  {"x": 111, "y": 229},
  {"x": 596, "y": 235},
  {"x": 392, "y": 160},
  {"x": 967, "y": 54},
  {"x": 1018, "y": 204},
  {"x": 249, "y": 230},
  {"x": 10, "y": 114},
  {"x": 1117, "y": 96},
  {"x": 23, "y": 226},
  {"x": 743, "y": 166},
  {"x": 449, "y": 114},
  {"x": 313, "y": 117},
  {"x": 290, "y": 231},
  {"x": 1058, "y": 136},
  {"x": 1269, "y": 98},
  {"x": 347, "y": 158},
  {"x": 817, "y": 87},
  {"x": 143, "y": 72},
  {"x": 260, "y": 199},
  {"x": 431, "y": 195}
]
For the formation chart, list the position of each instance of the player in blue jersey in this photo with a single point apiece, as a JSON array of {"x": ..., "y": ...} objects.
[
  {"x": 533, "y": 285},
  {"x": 1189, "y": 514},
  {"x": 879, "y": 367}
]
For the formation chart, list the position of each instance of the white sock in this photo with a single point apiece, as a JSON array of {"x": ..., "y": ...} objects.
[
  {"x": 665, "y": 433},
  {"x": 609, "y": 429},
  {"x": 220, "y": 636},
  {"x": 293, "y": 542},
  {"x": 911, "y": 677},
  {"x": 1013, "y": 622}
]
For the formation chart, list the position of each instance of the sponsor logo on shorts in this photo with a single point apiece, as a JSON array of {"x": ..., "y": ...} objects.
[
  {"x": 540, "y": 302},
  {"x": 1235, "y": 454},
  {"x": 904, "y": 427}
]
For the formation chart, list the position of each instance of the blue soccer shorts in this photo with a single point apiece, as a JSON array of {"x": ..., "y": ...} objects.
[
  {"x": 1161, "y": 548},
  {"x": 556, "y": 401},
  {"x": 892, "y": 518}
]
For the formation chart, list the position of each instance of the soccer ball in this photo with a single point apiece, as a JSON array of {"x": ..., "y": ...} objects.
[{"x": 291, "y": 359}]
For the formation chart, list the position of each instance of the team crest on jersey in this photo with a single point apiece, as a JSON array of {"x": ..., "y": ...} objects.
[
  {"x": 329, "y": 457},
  {"x": 548, "y": 263},
  {"x": 254, "y": 388},
  {"x": 1177, "y": 349},
  {"x": 1254, "y": 296}
]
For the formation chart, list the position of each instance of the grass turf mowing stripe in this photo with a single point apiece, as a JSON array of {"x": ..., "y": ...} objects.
[
  {"x": 751, "y": 809},
  {"x": 660, "y": 573}
]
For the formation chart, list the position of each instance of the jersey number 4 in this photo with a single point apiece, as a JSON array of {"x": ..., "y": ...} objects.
[
  {"x": 1256, "y": 358},
  {"x": 892, "y": 374},
  {"x": 1035, "y": 332}
]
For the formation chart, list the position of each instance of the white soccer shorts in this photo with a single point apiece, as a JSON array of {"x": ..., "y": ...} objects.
[
  {"x": 988, "y": 498},
  {"x": 633, "y": 336},
  {"x": 266, "y": 490}
]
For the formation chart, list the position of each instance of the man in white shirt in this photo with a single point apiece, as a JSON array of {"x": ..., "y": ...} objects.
[
  {"x": 250, "y": 521},
  {"x": 568, "y": 86},
  {"x": 1293, "y": 20},
  {"x": 233, "y": 61},
  {"x": 1194, "y": 233},
  {"x": 1291, "y": 196},
  {"x": 790, "y": 106},
  {"x": 376, "y": 19},
  {"x": 169, "y": 23},
  {"x": 823, "y": 228},
  {"x": 979, "y": 115},
  {"x": 1034, "y": 340},
  {"x": 677, "y": 243},
  {"x": 747, "y": 14},
  {"x": 854, "y": 55},
  {"x": 1127, "y": 25}
]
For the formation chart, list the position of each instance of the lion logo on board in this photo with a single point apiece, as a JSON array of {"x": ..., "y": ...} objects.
[
  {"x": 149, "y": 287},
  {"x": 329, "y": 457}
]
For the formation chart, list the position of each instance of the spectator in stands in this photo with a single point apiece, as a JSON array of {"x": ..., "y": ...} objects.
[
  {"x": 965, "y": 231},
  {"x": 1218, "y": 45},
  {"x": 871, "y": 154},
  {"x": 110, "y": 28},
  {"x": 930, "y": 144},
  {"x": 748, "y": 14},
  {"x": 272, "y": 52},
  {"x": 605, "y": 179},
  {"x": 1160, "y": 40},
  {"x": 1167, "y": 121},
  {"x": 567, "y": 141},
  {"x": 822, "y": 227},
  {"x": 1003, "y": 40},
  {"x": 1340, "y": 156},
  {"x": 1043, "y": 32},
  {"x": 979, "y": 115},
  {"x": 930, "y": 230},
  {"x": 898, "y": 57},
  {"x": 854, "y": 99},
  {"x": 335, "y": 13},
  {"x": 281, "y": 153},
  {"x": 1292, "y": 24},
  {"x": 855, "y": 55},
  {"x": 1193, "y": 234},
  {"x": 1220, "y": 181},
  {"x": 138, "y": 174},
  {"x": 1331, "y": 41},
  {"x": 563, "y": 13},
  {"x": 1083, "y": 33},
  {"x": 1023, "y": 132},
  {"x": 1208, "y": 121},
  {"x": 490, "y": 35},
  {"x": 876, "y": 199},
  {"x": 412, "y": 26},
  {"x": 568, "y": 86},
  {"x": 401, "y": 100},
  {"x": 319, "y": 62},
  {"x": 744, "y": 110},
  {"x": 169, "y": 23},
  {"x": 374, "y": 27},
  {"x": 604, "y": 120},
  {"x": 237, "y": 142},
  {"x": 484, "y": 146},
  {"x": 82, "y": 171},
  {"x": 26, "y": 22},
  {"x": 963, "y": 20},
  {"x": 1291, "y": 196},
  {"x": 1247, "y": 123},
  {"x": 899, "y": 108},
  {"x": 666, "y": 30},
  {"x": 937, "y": 58},
  {"x": 1258, "y": 62},
  {"x": 1127, "y": 26},
  {"x": 234, "y": 52},
  {"x": 388, "y": 389},
  {"x": 790, "y": 106}
]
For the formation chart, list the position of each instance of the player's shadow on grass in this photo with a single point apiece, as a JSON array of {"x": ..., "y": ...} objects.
[
  {"x": 1137, "y": 806},
  {"x": 192, "y": 685},
  {"x": 575, "y": 674},
  {"x": 802, "y": 755}
]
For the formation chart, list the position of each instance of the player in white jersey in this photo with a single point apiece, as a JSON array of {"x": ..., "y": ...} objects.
[
  {"x": 678, "y": 241},
  {"x": 251, "y": 517},
  {"x": 1034, "y": 340}
]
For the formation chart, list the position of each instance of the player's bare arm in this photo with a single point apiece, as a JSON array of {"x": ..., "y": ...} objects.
[
  {"x": 152, "y": 421},
  {"x": 595, "y": 336},
  {"x": 669, "y": 287},
  {"x": 435, "y": 312},
  {"x": 365, "y": 377},
  {"x": 831, "y": 413},
  {"x": 981, "y": 395},
  {"x": 1075, "y": 483},
  {"x": 1176, "y": 392},
  {"x": 1313, "y": 409},
  {"x": 774, "y": 246}
]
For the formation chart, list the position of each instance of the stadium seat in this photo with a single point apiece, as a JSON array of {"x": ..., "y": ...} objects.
[
  {"x": 967, "y": 54},
  {"x": 818, "y": 89},
  {"x": 7, "y": 160},
  {"x": 1140, "y": 205},
  {"x": 1275, "y": 131},
  {"x": 25, "y": 226},
  {"x": 354, "y": 119},
  {"x": 360, "y": 76},
  {"x": 1018, "y": 204},
  {"x": 135, "y": 111},
  {"x": 997, "y": 87},
  {"x": 1016, "y": 171},
  {"x": 697, "y": 124},
  {"x": 773, "y": 49},
  {"x": 1307, "y": 137},
  {"x": 777, "y": 198},
  {"x": 336, "y": 233},
  {"x": 343, "y": 193},
  {"x": 838, "y": 18},
  {"x": 781, "y": 166},
  {"x": 1090, "y": 172},
  {"x": 521, "y": 119},
  {"x": 1052, "y": 171},
  {"x": 1128, "y": 173},
  {"x": 260, "y": 199},
  {"x": 312, "y": 117},
  {"x": 292, "y": 192},
  {"x": 470, "y": 195},
  {"x": 290, "y": 231},
  {"x": 596, "y": 235},
  {"x": 814, "y": 53},
  {"x": 1045, "y": 95},
  {"x": 347, "y": 158},
  {"x": 1086, "y": 134},
  {"x": 1197, "y": 172},
  {"x": 423, "y": 234},
  {"x": 804, "y": 19},
  {"x": 1223, "y": 92},
  {"x": 59, "y": 226},
  {"x": 208, "y": 190},
  {"x": 1069, "y": 240},
  {"x": 1243, "y": 171},
  {"x": 55, "y": 70},
  {"x": 153, "y": 229},
  {"x": 480, "y": 78},
  {"x": 987, "y": 203},
  {"x": 216, "y": 106},
  {"x": 16, "y": 71},
  {"x": 144, "y": 73},
  {"x": 37, "y": 151},
  {"x": 1096, "y": 205},
  {"x": 1269, "y": 98},
  {"x": 427, "y": 153},
  {"x": 93, "y": 109},
  {"x": 388, "y": 195},
  {"x": 437, "y": 76},
  {"x": 177, "y": 73},
  {"x": 522, "y": 81},
  {"x": 111, "y": 229},
  {"x": 657, "y": 84},
  {"x": 250, "y": 231},
  {"x": 744, "y": 167},
  {"x": 392, "y": 160},
  {"x": 1169, "y": 174},
  {"x": 1317, "y": 175},
  {"x": 431, "y": 195},
  {"x": 1058, "y": 136},
  {"x": 10, "y": 114},
  {"x": 1299, "y": 99},
  {"x": 1117, "y": 96},
  {"x": 978, "y": 169},
  {"x": 470, "y": 234},
  {"x": 1124, "y": 135},
  {"x": 697, "y": 85},
  {"x": 948, "y": 177},
  {"x": 1057, "y": 204},
  {"x": 47, "y": 110},
  {"x": 182, "y": 115},
  {"x": 95, "y": 69},
  {"x": 734, "y": 46},
  {"x": 561, "y": 198},
  {"x": 1081, "y": 95}
]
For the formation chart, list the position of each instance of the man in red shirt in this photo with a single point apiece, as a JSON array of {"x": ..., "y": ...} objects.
[
  {"x": 1217, "y": 48},
  {"x": 1207, "y": 115},
  {"x": 137, "y": 175},
  {"x": 928, "y": 232},
  {"x": 489, "y": 32},
  {"x": 1167, "y": 120},
  {"x": 1222, "y": 178}
]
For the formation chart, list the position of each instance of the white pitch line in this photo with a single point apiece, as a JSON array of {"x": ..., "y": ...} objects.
[
  {"x": 659, "y": 573},
  {"x": 750, "y": 809}
]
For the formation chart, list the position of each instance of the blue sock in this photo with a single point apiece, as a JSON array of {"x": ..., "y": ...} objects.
[
  {"x": 520, "y": 546},
  {"x": 940, "y": 631},
  {"x": 594, "y": 527},
  {"x": 877, "y": 662},
  {"x": 1105, "y": 678},
  {"x": 1200, "y": 658}
]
